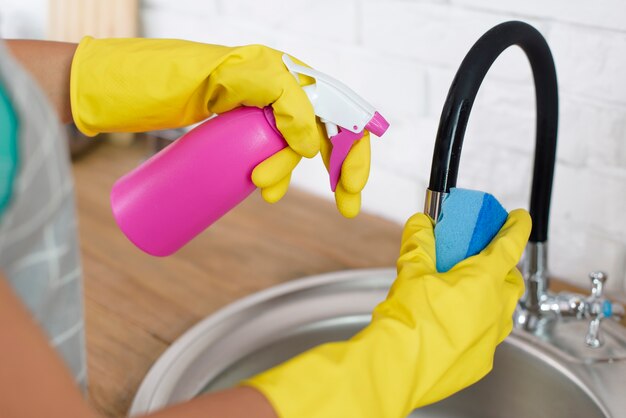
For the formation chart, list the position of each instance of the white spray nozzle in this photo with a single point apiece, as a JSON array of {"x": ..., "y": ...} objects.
[
  {"x": 338, "y": 106},
  {"x": 334, "y": 102}
]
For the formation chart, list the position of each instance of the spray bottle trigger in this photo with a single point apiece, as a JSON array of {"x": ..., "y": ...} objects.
[{"x": 342, "y": 143}]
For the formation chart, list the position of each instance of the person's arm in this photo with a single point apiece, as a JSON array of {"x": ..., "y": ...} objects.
[
  {"x": 435, "y": 334},
  {"x": 139, "y": 85},
  {"x": 49, "y": 63},
  {"x": 33, "y": 379},
  {"x": 35, "y": 383}
]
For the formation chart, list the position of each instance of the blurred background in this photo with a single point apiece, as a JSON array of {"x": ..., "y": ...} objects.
[{"x": 402, "y": 55}]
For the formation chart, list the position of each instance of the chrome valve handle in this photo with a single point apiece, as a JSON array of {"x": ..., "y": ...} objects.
[
  {"x": 598, "y": 308},
  {"x": 598, "y": 278},
  {"x": 592, "y": 338}
]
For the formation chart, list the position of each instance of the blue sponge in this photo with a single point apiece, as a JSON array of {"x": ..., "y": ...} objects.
[{"x": 468, "y": 221}]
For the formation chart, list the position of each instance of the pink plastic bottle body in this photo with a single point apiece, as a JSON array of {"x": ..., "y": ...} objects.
[{"x": 182, "y": 190}]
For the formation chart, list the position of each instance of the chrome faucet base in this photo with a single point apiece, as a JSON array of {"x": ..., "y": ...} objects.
[
  {"x": 535, "y": 271},
  {"x": 539, "y": 310}
]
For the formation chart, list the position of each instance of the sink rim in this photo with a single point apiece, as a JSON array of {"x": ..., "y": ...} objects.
[{"x": 165, "y": 381}]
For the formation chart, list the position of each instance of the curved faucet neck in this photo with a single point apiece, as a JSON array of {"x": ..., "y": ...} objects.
[{"x": 460, "y": 99}]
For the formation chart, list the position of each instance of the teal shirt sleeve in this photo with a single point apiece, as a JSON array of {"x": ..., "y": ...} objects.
[{"x": 8, "y": 148}]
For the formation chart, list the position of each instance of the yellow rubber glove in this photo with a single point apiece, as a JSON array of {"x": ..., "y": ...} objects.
[
  {"x": 434, "y": 335},
  {"x": 273, "y": 174},
  {"x": 132, "y": 85},
  {"x": 354, "y": 174}
]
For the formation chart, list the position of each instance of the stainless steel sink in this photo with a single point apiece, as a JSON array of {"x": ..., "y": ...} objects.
[{"x": 530, "y": 378}]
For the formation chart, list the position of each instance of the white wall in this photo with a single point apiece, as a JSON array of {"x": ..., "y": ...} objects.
[
  {"x": 402, "y": 54},
  {"x": 23, "y": 18}
]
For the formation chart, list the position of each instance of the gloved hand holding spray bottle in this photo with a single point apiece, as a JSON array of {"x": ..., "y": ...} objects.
[{"x": 182, "y": 190}]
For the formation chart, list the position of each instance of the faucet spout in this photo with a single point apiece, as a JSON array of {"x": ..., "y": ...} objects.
[
  {"x": 460, "y": 99},
  {"x": 452, "y": 125}
]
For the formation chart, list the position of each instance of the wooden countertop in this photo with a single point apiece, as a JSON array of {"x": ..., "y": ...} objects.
[{"x": 137, "y": 305}]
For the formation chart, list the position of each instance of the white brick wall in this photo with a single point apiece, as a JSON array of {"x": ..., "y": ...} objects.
[
  {"x": 23, "y": 18},
  {"x": 402, "y": 56}
]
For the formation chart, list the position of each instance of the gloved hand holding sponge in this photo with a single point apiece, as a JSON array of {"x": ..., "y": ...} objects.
[
  {"x": 434, "y": 335},
  {"x": 133, "y": 85}
]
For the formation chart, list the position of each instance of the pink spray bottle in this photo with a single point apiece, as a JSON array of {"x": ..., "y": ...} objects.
[{"x": 179, "y": 192}]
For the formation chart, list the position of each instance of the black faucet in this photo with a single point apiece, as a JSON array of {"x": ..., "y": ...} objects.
[
  {"x": 538, "y": 308},
  {"x": 453, "y": 122}
]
